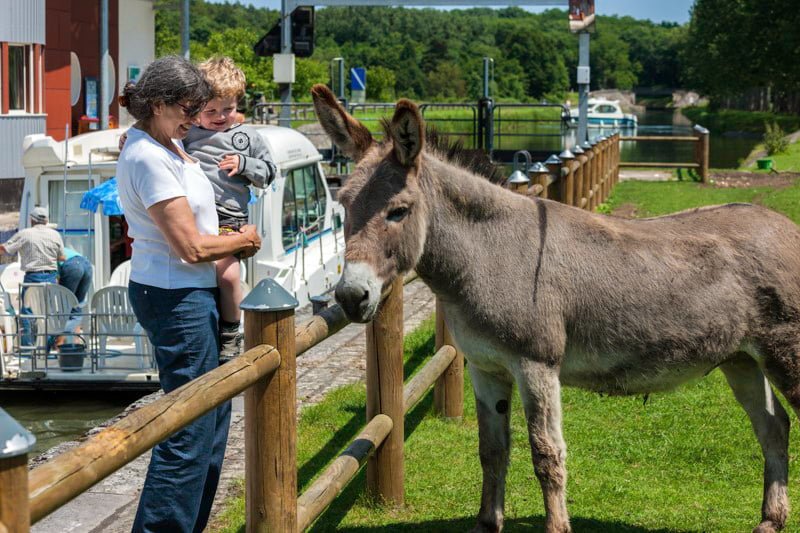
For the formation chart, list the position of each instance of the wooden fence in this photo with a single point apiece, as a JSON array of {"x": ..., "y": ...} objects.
[
  {"x": 701, "y": 152},
  {"x": 266, "y": 374}
]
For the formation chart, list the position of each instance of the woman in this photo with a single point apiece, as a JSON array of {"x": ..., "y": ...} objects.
[{"x": 170, "y": 211}]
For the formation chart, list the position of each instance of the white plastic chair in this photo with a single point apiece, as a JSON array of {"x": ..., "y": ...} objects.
[
  {"x": 121, "y": 275},
  {"x": 53, "y": 303},
  {"x": 115, "y": 318},
  {"x": 7, "y": 314},
  {"x": 10, "y": 278}
]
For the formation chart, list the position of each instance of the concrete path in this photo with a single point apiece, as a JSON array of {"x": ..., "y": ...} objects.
[
  {"x": 110, "y": 505},
  {"x": 646, "y": 175}
]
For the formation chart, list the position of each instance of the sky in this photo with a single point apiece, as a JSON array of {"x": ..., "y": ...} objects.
[{"x": 655, "y": 10}]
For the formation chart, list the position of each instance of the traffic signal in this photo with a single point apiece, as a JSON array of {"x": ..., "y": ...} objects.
[{"x": 302, "y": 35}]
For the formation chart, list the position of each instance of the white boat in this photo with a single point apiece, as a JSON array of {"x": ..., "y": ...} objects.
[
  {"x": 605, "y": 113},
  {"x": 299, "y": 222}
]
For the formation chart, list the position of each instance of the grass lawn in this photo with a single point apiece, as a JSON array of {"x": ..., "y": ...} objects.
[
  {"x": 677, "y": 462},
  {"x": 659, "y": 198},
  {"x": 685, "y": 461}
]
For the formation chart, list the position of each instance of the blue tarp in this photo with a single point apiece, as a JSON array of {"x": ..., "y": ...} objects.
[{"x": 105, "y": 195}]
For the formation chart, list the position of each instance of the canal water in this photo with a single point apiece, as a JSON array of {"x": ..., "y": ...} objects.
[
  {"x": 59, "y": 417},
  {"x": 725, "y": 151}
]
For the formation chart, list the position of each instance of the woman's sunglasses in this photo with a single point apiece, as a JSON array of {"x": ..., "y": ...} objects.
[{"x": 190, "y": 112}]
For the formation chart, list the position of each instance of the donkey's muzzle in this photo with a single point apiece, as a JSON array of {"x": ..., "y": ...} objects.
[
  {"x": 354, "y": 301},
  {"x": 358, "y": 292}
]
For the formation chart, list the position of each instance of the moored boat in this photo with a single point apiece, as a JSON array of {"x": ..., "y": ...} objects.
[{"x": 299, "y": 222}]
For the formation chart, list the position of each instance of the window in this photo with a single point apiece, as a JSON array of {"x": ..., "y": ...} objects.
[
  {"x": 304, "y": 204},
  {"x": 19, "y": 77},
  {"x": 77, "y": 232}
]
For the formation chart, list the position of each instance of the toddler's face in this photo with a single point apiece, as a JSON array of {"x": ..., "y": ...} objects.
[{"x": 219, "y": 114}]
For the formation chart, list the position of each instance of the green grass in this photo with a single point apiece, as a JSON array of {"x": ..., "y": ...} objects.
[
  {"x": 659, "y": 198},
  {"x": 725, "y": 120},
  {"x": 684, "y": 461},
  {"x": 788, "y": 161}
]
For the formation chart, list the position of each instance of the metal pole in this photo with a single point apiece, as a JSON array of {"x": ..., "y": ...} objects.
[
  {"x": 286, "y": 48},
  {"x": 341, "y": 78},
  {"x": 488, "y": 63},
  {"x": 583, "y": 89},
  {"x": 185, "y": 29},
  {"x": 105, "y": 88}
]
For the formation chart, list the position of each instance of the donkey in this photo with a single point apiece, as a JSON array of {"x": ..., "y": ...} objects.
[{"x": 540, "y": 294}]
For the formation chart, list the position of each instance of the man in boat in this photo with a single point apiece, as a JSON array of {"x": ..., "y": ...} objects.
[{"x": 40, "y": 248}]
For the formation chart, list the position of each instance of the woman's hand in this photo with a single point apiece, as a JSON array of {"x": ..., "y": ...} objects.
[
  {"x": 230, "y": 163},
  {"x": 251, "y": 236}
]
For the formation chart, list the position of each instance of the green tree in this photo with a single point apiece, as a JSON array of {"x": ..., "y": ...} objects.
[{"x": 381, "y": 83}]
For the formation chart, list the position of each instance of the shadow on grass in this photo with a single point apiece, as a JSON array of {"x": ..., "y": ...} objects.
[
  {"x": 533, "y": 523},
  {"x": 347, "y": 432}
]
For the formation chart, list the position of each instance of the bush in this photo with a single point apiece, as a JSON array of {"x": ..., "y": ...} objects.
[{"x": 775, "y": 139}]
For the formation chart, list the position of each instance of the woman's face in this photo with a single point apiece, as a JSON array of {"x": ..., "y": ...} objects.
[{"x": 175, "y": 120}]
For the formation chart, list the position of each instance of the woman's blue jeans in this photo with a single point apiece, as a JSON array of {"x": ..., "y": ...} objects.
[{"x": 184, "y": 471}]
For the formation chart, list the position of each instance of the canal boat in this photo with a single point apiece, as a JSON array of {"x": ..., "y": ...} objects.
[
  {"x": 604, "y": 113},
  {"x": 297, "y": 217}
]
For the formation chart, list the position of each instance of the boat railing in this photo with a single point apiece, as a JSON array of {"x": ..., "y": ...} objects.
[{"x": 35, "y": 344}]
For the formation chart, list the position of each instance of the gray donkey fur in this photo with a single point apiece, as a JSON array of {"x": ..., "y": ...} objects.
[{"x": 540, "y": 294}]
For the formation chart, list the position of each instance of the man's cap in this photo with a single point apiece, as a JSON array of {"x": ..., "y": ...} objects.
[{"x": 39, "y": 215}]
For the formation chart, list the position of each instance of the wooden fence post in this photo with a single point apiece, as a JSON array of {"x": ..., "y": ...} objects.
[
  {"x": 270, "y": 414},
  {"x": 568, "y": 178},
  {"x": 15, "y": 443},
  {"x": 448, "y": 392},
  {"x": 580, "y": 173},
  {"x": 385, "y": 469},
  {"x": 552, "y": 180},
  {"x": 702, "y": 151},
  {"x": 589, "y": 175}
]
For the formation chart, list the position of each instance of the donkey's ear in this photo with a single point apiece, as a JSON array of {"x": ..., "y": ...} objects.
[
  {"x": 407, "y": 131},
  {"x": 346, "y": 132}
]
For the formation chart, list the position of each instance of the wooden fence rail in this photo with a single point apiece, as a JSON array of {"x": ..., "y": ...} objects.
[
  {"x": 266, "y": 372},
  {"x": 701, "y": 138}
]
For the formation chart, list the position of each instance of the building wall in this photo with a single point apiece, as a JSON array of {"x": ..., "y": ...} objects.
[
  {"x": 74, "y": 26},
  {"x": 13, "y": 129},
  {"x": 56, "y": 67},
  {"x": 22, "y": 21},
  {"x": 138, "y": 33}
]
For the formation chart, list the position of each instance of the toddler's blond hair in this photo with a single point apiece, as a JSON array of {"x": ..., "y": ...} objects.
[{"x": 226, "y": 79}]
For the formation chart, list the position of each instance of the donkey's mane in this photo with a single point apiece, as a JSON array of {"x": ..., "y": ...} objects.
[{"x": 475, "y": 161}]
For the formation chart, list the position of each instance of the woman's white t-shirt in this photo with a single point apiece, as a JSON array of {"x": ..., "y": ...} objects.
[{"x": 148, "y": 173}]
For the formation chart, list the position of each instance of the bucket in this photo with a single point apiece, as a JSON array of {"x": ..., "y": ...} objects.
[
  {"x": 764, "y": 164},
  {"x": 71, "y": 356}
]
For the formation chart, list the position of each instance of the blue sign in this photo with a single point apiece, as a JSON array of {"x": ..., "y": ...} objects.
[{"x": 358, "y": 79}]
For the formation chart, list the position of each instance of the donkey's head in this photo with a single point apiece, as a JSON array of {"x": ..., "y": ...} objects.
[{"x": 385, "y": 211}]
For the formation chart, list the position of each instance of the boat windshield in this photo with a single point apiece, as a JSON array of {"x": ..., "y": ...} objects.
[{"x": 304, "y": 204}]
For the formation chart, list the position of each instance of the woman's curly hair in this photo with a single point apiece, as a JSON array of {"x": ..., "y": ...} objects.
[{"x": 168, "y": 80}]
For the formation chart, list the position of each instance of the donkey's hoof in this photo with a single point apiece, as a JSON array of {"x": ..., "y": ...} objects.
[{"x": 767, "y": 526}]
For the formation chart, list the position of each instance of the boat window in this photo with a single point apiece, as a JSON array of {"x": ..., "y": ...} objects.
[
  {"x": 606, "y": 109},
  {"x": 76, "y": 226},
  {"x": 304, "y": 204}
]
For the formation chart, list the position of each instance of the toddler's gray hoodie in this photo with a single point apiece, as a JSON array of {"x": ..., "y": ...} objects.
[{"x": 255, "y": 164}]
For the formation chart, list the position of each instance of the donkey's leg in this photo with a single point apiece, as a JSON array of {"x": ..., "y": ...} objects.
[
  {"x": 771, "y": 425},
  {"x": 493, "y": 401},
  {"x": 541, "y": 397}
]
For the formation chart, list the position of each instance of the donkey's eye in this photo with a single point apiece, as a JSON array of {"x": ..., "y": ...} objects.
[{"x": 397, "y": 214}]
